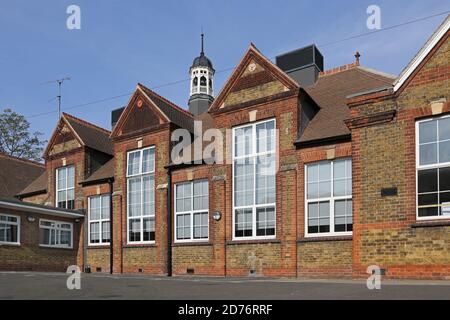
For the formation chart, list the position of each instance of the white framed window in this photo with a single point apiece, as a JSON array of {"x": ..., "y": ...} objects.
[
  {"x": 99, "y": 220},
  {"x": 254, "y": 181},
  {"x": 328, "y": 198},
  {"x": 433, "y": 168},
  {"x": 141, "y": 196},
  {"x": 55, "y": 234},
  {"x": 9, "y": 229},
  {"x": 65, "y": 187},
  {"x": 192, "y": 211}
]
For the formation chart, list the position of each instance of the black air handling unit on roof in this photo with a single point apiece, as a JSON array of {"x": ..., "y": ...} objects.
[{"x": 303, "y": 65}]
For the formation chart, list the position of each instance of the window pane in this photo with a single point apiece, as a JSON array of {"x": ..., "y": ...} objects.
[
  {"x": 149, "y": 229},
  {"x": 8, "y": 233},
  {"x": 324, "y": 217},
  {"x": 444, "y": 129},
  {"x": 244, "y": 179},
  {"x": 427, "y": 180},
  {"x": 94, "y": 208},
  {"x": 265, "y": 180},
  {"x": 313, "y": 210},
  {"x": 339, "y": 169},
  {"x": 183, "y": 227},
  {"x": 428, "y": 131},
  {"x": 105, "y": 207},
  {"x": 340, "y": 188},
  {"x": 95, "y": 232},
  {"x": 265, "y": 221},
  {"x": 325, "y": 171},
  {"x": 61, "y": 179},
  {"x": 444, "y": 152},
  {"x": 148, "y": 195},
  {"x": 313, "y": 173},
  {"x": 70, "y": 177},
  {"x": 313, "y": 190},
  {"x": 428, "y": 199},
  {"x": 106, "y": 235},
  {"x": 445, "y": 203},
  {"x": 200, "y": 225},
  {"x": 428, "y": 154},
  {"x": 444, "y": 179},
  {"x": 148, "y": 161},
  {"x": 265, "y": 135},
  {"x": 134, "y": 197},
  {"x": 134, "y": 160},
  {"x": 243, "y": 141},
  {"x": 428, "y": 212},
  {"x": 243, "y": 223},
  {"x": 343, "y": 216},
  {"x": 70, "y": 194},
  {"x": 135, "y": 230},
  {"x": 325, "y": 189}
]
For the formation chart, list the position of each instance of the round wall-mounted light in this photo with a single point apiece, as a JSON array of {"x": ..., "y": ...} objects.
[
  {"x": 31, "y": 219},
  {"x": 217, "y": 215}
]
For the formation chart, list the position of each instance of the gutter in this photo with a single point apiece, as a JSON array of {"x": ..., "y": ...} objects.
[
  {"x": 111, "y": 227},
  {"x": 40, "y": 209}
]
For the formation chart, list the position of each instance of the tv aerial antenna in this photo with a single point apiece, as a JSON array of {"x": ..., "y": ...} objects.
[{"x": 59, "y": 82}]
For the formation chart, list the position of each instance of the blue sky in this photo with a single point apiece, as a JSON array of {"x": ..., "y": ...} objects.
[{"x": 123, "y": 42}]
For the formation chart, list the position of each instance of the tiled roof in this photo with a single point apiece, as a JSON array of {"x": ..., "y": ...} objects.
[
  {"x": 330, "y": 92},
  {"x": 91, "y": 135},
  {"x": 104, "y": 172},
  {"x": 16, "y": 174},
  {"x": 177, "y": 115},
  {"x": 38, "y": 185}
]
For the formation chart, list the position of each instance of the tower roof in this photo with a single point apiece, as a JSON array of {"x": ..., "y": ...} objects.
[{"x": 202, "y": 60}]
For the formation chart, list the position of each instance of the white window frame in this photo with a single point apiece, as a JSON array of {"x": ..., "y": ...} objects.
[
  {"x": 13, "y": 224},
  {"x": 192, "y": 212},
  {"x": 99, "y": 221},
  {"x": 56, "y": 228},
  {"x": 65, "y": 189},
  {"x": 427, "y": 167},
  {"x": 141, "y": 175},
  {"x": 254, "y": 154},
  {"x": 331, "y": 200}
]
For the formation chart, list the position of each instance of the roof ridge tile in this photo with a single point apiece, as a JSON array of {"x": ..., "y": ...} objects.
[
  {"x": 84, "y": 122},
  {"x": 166, "y": 100},
  {"x": 4, "y": 155}
]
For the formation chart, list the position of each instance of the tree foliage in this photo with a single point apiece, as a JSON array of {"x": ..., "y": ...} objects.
[{"x": 16, "y": 139}]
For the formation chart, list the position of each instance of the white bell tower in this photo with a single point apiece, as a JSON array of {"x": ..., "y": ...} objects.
[{"x": 202, "y": 83}]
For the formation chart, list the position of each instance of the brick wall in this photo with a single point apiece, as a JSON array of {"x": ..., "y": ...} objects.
[
  {"x": 97, "y": 257},
  {"x": 152, "y": 258},
  {"x": 386, "y": 231},
  {"x": 29, "y": 256},
  {"x": 318, "y": 256}
]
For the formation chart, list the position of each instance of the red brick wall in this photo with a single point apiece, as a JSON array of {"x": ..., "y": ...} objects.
[
  {"x": 130, "y": 258},
  {"x": 386, "y": 231},
  {"x": 320, "y": 257}
]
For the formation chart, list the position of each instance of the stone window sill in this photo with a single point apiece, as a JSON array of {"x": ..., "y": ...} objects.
[
  {"x": 247, "y": 242},
  {"x": 192, "y": 244},
  {"x": 326, "y": 239},
  {"x": 431, "y": 224}
]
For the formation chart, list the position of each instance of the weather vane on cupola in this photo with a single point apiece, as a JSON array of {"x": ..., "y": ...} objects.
[{"x": 202, "y": 82}]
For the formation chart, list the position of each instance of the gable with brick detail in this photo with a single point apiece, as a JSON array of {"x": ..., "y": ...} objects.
[
  {"x": 147, "y": 111},
  {"x": 254, "y": 79}
]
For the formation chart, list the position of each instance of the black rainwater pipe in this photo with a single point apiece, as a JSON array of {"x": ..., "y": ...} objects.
[
  {"x": 169, "y": 222},
  {"x": 111, "y": 228}
]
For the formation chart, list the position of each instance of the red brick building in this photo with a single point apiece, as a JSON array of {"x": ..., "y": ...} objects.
[{"x": 326, "y": 173}]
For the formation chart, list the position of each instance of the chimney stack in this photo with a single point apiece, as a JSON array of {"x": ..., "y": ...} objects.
[{"x": 303, "y": 65}]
